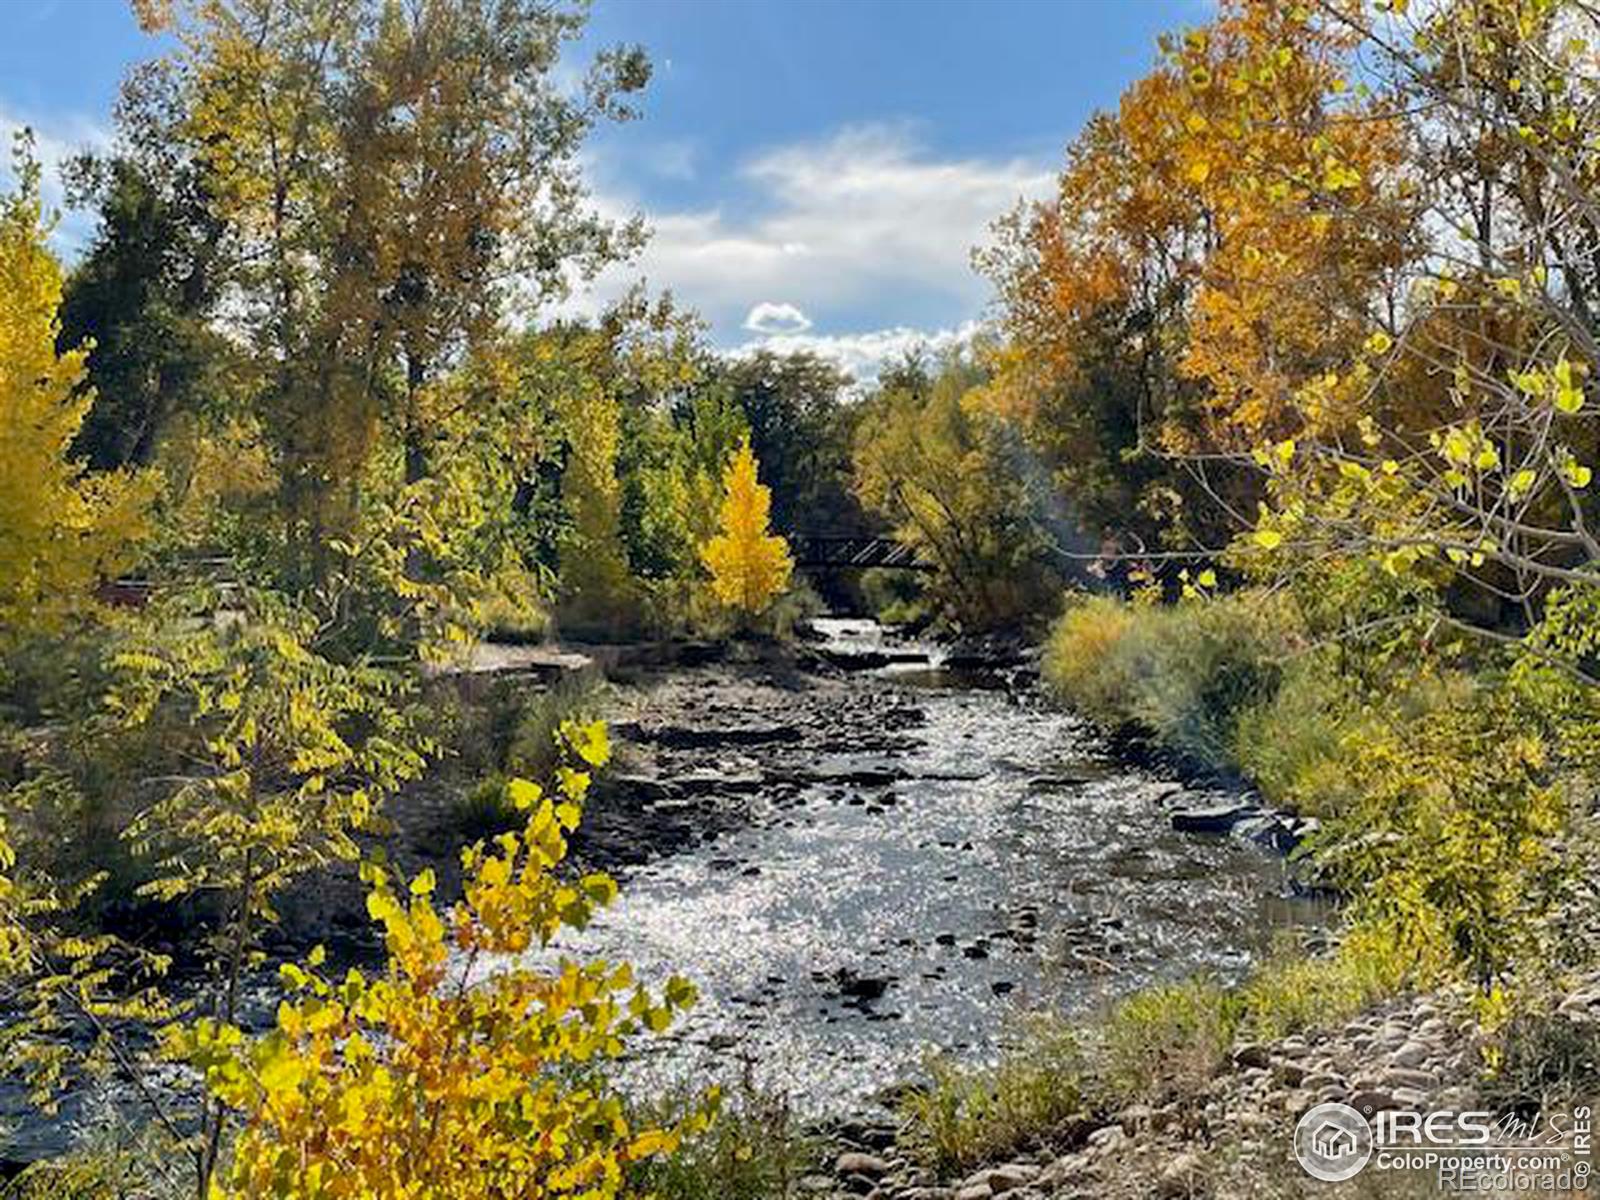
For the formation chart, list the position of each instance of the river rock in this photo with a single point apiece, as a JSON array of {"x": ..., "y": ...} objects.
[
  {"x": 854, "y": 1162},
  {"x": 861, "y": 988},
  {"x": 1408, "y": 1077},
  {"x": 1210, "y": 818},
  {"x": 697, "y": 737},
  {"x": 1183, "y": 1177},
  {"x": 1252, "y": 1055},
  {"x": 870, "y": 660},
  {"x": 1410, "y": 1054},
  {"x": 1370, "y": 1101},
  {"x": 711, "y": 781},
  {"x": 856, "y": 770},
  {"x": 1009, "y": 1177},
  {"x": 1266, "y": 830}
]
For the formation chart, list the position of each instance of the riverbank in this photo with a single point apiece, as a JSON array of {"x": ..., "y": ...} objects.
[{"x": 1231, "y": 1137}]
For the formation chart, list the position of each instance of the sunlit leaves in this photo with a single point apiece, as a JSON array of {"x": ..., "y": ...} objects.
[
  {"x": 435, "y": 1078},
  {"x": 750, "y": 567},
  {"x": 62, "y": 530}
]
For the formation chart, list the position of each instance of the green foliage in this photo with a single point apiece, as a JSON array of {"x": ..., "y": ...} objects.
[
  {"x": 1542, "y": 1060},
  {"x": 1186, "y": 672},
  {"x": 1298, "y": 743},
  {"x": 963, "y": 1117},
  {"x": 288, "y": 753},
  {"x": 1454, "y": 839},
  {"x": 801, "y": 426},
  {"x": 430, "y": 1080},
  {"x": 948, "y": 476},
  {"x": 597, "y": 588},
  {"x": 140, "y": 299},
  {"x": 755, "y": 1149},
  {"x": 372, "y": 229},
  {"x": 536, "y": 744},
  {"x": 1085, "y": 661},
  {"x": 894, "y": 597},
  {"x": 1165, "y": 1043},
  {"x": 1292, "y": 992}
]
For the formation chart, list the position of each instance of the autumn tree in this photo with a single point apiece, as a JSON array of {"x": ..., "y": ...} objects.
[
  {"x": 62, "y": 528},
  {"x": 393, "y": 178},
  {"x": 955, "y": 482},
  {"x": 430, "y": 1080},
  {"x": 1189, "y": 274},
  {"x": 1443, "y": 434},
  {"x": 749, "y": 567}
]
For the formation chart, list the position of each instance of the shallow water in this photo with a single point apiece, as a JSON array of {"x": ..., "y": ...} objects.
[{"x": 845, "y": 934}]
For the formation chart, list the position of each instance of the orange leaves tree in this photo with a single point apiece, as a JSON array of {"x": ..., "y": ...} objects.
[
  {"x": 749, "y": 566},
  {"x": 460, "y": 1071},
  {"x": 1189, "y": 275},
  {"x": 1439, "y": 426}
]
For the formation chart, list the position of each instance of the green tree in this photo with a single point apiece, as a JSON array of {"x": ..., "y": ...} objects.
[
  {"x": 800, "y": 428},
  {"x": 285, "y": 756},
  {"x": 141, "y": 300},
  {"x": 951, "y": 479}
]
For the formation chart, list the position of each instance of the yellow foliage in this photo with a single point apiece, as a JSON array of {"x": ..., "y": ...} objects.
[
  {"x": 438, "y": 1079},
  {"x": 749, "y": 567},
  {"x": 61, "y": 530}
]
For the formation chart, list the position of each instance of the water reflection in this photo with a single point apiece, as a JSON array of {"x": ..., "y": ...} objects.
[{"x": 839, "y": 939}]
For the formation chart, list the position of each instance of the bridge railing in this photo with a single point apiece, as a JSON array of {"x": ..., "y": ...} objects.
[{"x": 854, "y": 552}]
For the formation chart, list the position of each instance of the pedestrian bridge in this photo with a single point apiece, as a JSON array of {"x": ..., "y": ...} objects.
[{"x": 851, "y": 552}]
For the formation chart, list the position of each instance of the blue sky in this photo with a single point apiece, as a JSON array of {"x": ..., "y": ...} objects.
[{"x": 816, "y": 172}]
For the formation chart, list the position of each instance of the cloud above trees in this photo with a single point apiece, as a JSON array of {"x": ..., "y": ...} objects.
[{"x": 856, "y": 231}]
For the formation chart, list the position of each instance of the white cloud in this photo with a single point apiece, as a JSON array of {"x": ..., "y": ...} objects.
[
  {"x": 865, "y": 355},
  {"x": 865, "y": 220},
  {"x": 678, "y": 159},
  {"x": 770, "y": 318}
]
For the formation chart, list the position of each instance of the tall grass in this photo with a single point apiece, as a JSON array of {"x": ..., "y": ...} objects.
[
  {"x": 1184, "y": 673},
  {"x": 755, "y": 1149},
  {"x": 965, "y": 1117}
]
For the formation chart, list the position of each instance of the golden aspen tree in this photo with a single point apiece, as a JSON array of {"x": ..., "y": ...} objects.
[
  {"x": 61, "y": 529},
  {"x": 749, "y": 566}
]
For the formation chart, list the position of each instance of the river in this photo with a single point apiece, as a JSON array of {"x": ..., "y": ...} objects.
[
  {"x": 859, "y": 868},
  {"x": 980, "y": 859}
]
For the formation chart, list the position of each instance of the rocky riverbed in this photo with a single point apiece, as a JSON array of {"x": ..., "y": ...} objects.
[
  {"x": 862, "y": 857},
  {"x": 860, "y": 868}
]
